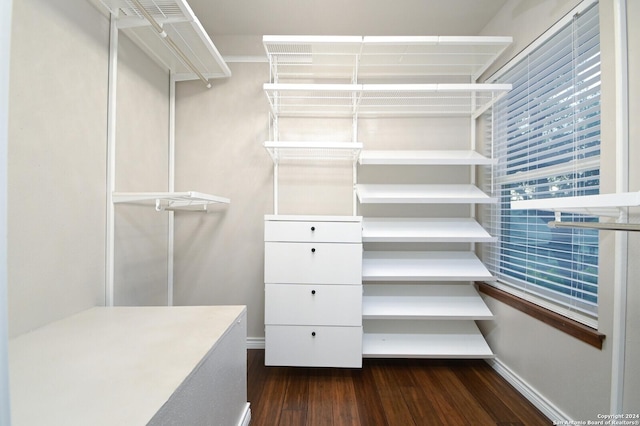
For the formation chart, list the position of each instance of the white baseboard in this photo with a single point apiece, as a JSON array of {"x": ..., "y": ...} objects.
[
  {"x": 535, "y": 397},
  {"x": 255, "y": 342},
  {"x": 246, "y": 417}
]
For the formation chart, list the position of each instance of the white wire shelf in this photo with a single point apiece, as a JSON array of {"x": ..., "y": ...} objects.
[
  {"x": 428, "y": 302},
  {"x": 422, "y": 194},
  {"x": 355, "y": 57},
  {"x": 423, "y": 339},
  {"x": 184, "y": 34},
  {"x": 433, "y": 230},
  {"x": 424, "y": 158},
  {"x": 372, "y": 100},
  {"x": 594, "y": 205},
  {"x": 162, "y": 201},
  {"x": 423, "y": 266},
  {"x": 348, "y": 151}
]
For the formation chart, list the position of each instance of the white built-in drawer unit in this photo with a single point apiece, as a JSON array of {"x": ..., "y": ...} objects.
[
  {"x": 313, "y": 346},
  {"x": 313, "y": 263},
  {"x": 313, "y": 291},
  {"x": 313, "y": 304}
]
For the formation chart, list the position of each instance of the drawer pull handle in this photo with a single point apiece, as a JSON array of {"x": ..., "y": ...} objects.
[
  {"x": 313, "y": 228},
  {"x": 313, "y": 334},
  {"x": 313, "y": 250},
  {"x": 313, "y": 292}
]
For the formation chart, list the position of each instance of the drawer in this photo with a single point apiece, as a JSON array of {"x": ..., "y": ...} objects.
[
  {"x": 312, "y": 263},
  {"x": 313, "y": 231},
  {"x": 287, "y": 304},
  {"x": 309, "y": 346}
]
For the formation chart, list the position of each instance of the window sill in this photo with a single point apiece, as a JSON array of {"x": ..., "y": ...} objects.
[{"x": 579, "y": 331}]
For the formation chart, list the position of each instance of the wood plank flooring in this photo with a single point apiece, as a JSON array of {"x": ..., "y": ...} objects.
[{"x": 386, "y": 392}]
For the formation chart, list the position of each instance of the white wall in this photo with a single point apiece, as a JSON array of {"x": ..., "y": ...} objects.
[
  {"x": 572, "y": 376},
  {"x": 219, "y": 255},
  {"x": 5, "y": 45},
  {"x": 57, "y": 158},
  {"x": 142, "y": 164}
]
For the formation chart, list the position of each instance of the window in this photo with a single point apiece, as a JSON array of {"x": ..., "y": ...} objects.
[{"x": 546, "y": 135}]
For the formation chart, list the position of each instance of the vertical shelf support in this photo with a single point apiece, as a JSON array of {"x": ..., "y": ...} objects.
[
  {"x": 171, "y": 186},
  {"x": 111, "y": 161}
]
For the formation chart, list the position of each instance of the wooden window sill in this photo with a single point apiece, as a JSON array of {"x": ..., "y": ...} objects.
[{"x": 562, "y": 323}]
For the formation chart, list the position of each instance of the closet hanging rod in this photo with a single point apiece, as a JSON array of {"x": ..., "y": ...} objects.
[
  {"x": 600, "y": 226},
  {"x": 170, "y": 42}
]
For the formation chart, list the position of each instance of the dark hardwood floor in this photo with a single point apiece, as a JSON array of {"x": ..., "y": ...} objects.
[{"x": 386, "y": 392}]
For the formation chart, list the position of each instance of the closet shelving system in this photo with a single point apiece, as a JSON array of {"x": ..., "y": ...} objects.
[
  {"x": 417, "y": 303},
  {"x": 170, "y": 33},
  {"x": 169, "y": 201}
]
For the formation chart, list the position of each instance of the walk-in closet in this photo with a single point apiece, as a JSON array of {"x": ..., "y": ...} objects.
[{"x": 319, "y": 213}]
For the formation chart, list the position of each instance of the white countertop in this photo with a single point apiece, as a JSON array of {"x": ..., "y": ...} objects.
[{"x": 110, "y": 366}]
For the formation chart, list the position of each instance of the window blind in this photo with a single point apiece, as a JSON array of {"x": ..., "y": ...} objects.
[{"x": 546, "y": 135}]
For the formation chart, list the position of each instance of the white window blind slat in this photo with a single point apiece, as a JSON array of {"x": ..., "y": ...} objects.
[{"x": 546, "y": 135}]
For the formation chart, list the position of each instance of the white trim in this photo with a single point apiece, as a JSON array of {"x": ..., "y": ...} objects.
[
  {"x": 622, "y": 185},
  {"x": 528, "y": 391},
  {"x": 257, "y": 59},
  {"x": 245, "y": 419},
  {"x": 255, "y": 343},
  {"x": 541, "y": 39}
]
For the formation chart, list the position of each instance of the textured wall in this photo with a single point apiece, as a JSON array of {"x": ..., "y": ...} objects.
[
  {"x": 142, "y": 149},
  {"x": 57, "y": 161}
]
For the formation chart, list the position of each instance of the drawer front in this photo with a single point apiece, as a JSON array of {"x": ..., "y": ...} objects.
[
  {"x": 287, "y": 304},
  {"x": 312, "y": 263},
  {"x": 322, "y": 232},
  {"x": 309, "y": 346}
]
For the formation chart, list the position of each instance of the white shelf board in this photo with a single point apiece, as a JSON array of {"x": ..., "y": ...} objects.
[
  {"x": 423, "y": 339},
  {"x": 313, "y": 150},
  {"x": 422, "y": 194},
  {"x": 431, "y": 301},
  {"x": 435, "y": 230},
  {"x": 190, "y": 200},
  {"x": 182, "y": 27},
  {"x": 295, "y": 57},
  {"x": 595, "y": 205},
  {"x": 372, "y": 100},
  {"x": 424, "y": 158},
  {"x": 413, "y": 266}
]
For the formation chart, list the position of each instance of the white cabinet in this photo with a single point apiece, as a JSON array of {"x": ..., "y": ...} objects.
[{"x": 313, "y": 291}]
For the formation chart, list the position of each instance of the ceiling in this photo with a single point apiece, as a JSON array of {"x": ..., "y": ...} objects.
[{"x": 344, "y": 17}]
